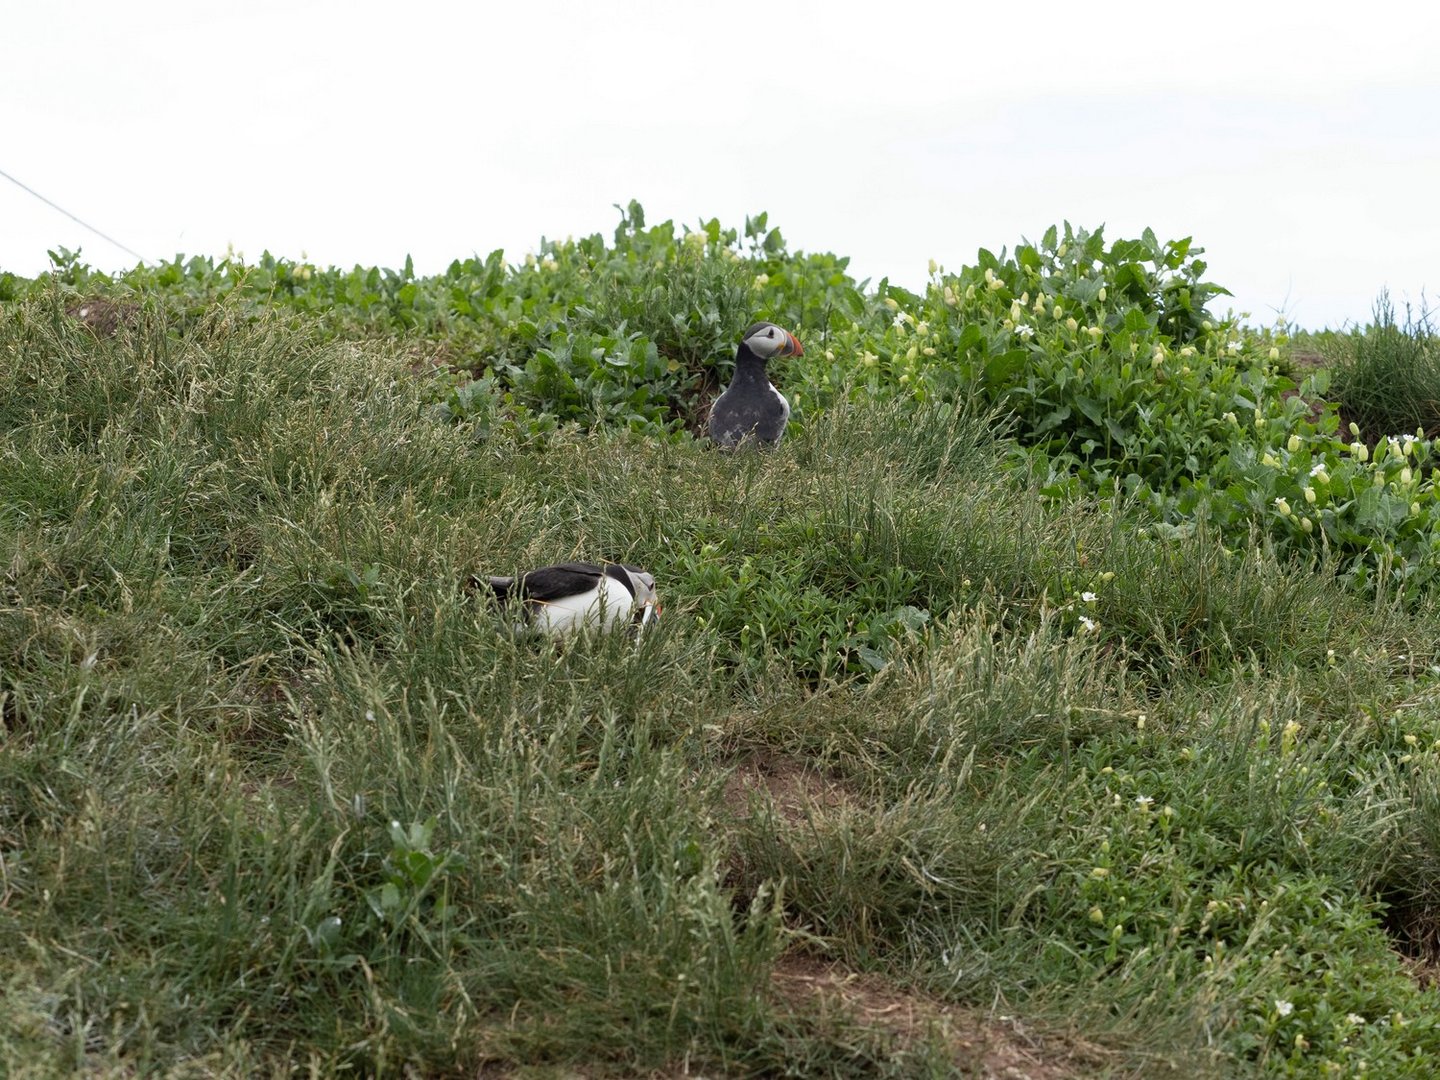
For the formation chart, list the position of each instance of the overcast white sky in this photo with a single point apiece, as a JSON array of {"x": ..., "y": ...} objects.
[{"x": 1298, "y": 144}]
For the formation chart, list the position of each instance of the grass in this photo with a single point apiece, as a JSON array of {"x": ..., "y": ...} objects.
[
  {"x": 277, "y": 794},
  {"x": 1387, "y": 378}
]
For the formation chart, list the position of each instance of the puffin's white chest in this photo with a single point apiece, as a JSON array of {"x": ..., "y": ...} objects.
[
  {"x": 606, "y": 604},
  {"x": 784, "y": 405}
]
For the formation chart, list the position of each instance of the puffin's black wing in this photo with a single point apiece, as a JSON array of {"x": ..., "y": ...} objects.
[
  {"x": 551, "y": 583},
  {"x": 738, "y": 415}
]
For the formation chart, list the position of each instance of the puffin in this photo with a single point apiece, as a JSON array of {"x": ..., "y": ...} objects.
[
  {"x": 750, "y": 407},
  {"x": 570, "y": 596}
]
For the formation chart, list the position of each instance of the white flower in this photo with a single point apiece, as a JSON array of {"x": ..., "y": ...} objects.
[
  {"x": 1089, "y": 624},
  {"x": 1284, "y": 1008},
  {"x": 1143, "y": 801},
  {"x": 1088, "y": 597},
  {"x": 1355, "y": 1018},
  {"x": 1025, "y": 331}
]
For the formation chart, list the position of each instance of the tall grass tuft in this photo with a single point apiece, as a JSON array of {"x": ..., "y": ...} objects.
[{"x": 1387, "y": 380}]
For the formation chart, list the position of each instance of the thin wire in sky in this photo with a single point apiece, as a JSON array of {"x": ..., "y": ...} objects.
[{"x": 72, "y": 217}]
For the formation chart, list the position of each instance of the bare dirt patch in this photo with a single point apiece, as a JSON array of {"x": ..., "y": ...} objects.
[
  {"x": 981, "y": 1044},
  {"x": 104, "y": 317},
  {"x": 795, "y": 789}
]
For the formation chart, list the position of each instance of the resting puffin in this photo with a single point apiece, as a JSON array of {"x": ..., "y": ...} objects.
[
  {"x": 750, "y": 407},
  {"x": 569, "y": 596}
]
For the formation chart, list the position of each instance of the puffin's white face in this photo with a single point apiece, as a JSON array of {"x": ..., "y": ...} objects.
[
  {"x": 766, "y": 340},
  {"x": 646, "y": 598},
  {"x": 647, "y": 593}
]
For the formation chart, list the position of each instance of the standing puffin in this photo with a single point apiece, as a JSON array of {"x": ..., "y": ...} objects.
[
  {"x": 569, "y": 596},
  {"x": 751, "y": 407}
]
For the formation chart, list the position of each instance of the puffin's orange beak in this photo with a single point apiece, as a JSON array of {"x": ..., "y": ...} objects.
[{"x": 792, "y": 346}]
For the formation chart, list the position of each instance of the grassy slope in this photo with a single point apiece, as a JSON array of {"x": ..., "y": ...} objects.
[{"x": 274, "y": 792}]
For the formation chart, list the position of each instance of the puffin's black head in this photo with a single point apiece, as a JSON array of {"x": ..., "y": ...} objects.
[{"x": 766, "y": 340}]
